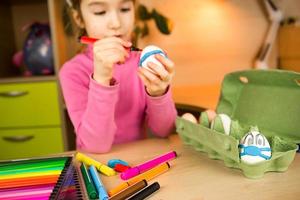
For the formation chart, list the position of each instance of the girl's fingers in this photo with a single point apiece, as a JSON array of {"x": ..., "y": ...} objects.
[
  {"x": 111, "y": 46},
  {"x": 160, "y": 71},
  {"x": 168, "y": 64},
  {"x": 153, "y": 79},
  {"x": 144, "y": 79},
  {"x": 112, "y": 56}
]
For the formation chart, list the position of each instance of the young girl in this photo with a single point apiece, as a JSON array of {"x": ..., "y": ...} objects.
[{"x": 108, "y": 97}]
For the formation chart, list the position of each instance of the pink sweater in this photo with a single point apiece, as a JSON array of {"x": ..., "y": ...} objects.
[{"x": 106, "y": 115}]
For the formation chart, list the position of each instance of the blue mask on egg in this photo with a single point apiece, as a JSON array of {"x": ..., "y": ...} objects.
[
  {"x": 254, "y": 151},
  {"x": 148, "y": 54}
]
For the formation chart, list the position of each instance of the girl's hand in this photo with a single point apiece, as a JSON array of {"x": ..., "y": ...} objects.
[
  {"x": 157, "y": 83},
  {"x": 107, "y": 52}
]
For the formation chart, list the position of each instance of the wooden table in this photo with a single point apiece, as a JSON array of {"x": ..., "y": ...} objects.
[{"x": 194, "y": 176}]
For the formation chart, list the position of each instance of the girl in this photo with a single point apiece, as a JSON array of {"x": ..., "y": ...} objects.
[{"x": 108, "y": 97}]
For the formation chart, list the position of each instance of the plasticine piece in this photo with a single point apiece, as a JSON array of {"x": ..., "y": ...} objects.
[
  {"x": 221, "y": 123},
  {"x": 112, "y": 163},
  {"x": 254, "y": 147},
  {"x": 148, "y": 55},
  {"x": 121, "y": 168}
]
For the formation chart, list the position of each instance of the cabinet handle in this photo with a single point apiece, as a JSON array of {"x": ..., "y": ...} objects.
[
  {"x": 21, "y": 138},
  {"x": 13, "y": 93}
]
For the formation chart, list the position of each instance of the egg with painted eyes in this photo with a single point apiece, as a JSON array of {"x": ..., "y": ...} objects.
[
  {"x": 254, "y": 148},
  {"x": 148, "y": 55}
]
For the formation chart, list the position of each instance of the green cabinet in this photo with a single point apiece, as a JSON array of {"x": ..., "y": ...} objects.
[
  {"x": 29, "y": 104},
  {"x": 21, "y": 143},
  {"x": 32, "y": 116},
  {"x": 30, "y": 120}
]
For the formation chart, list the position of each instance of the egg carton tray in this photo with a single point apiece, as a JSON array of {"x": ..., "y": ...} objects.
[{"x": 267, "y": 99}]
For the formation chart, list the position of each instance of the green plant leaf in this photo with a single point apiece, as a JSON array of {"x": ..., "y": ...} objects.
[
  {"x": 143, "y": 13},
  {"x": 163, "y": 24}
]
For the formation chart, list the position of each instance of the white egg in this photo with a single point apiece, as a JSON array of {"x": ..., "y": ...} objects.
[
  {"x": 226, "y": 122},
  {"x": 254, "y": 148},
  {"x": 148, "y": 55},
  {"x": 190, "y": 117}
]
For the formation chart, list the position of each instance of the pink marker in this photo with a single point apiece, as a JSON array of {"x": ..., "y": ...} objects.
[
  {"x": 89, "y": 40},
  {"x": 129, "y": 173}
]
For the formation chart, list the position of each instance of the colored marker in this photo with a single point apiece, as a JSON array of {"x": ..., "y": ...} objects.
[
  {"x": 147, "y": 165},
  {"x": 148, "y": 175},
  {"x": 88, "y": 182},
  {"x": 30, "y": 174},
  {"x": 89, "y": 40},
  {"x": 112, "y": 163},
  {"x": 24, "y": 193},
  {"x": 146, "y": 192},
  {"x": 130, "y": 191},
  {"x": 101, "y": 167},
  {"x": 98, "y": 183},
  {"x": 28, "y": 181}
]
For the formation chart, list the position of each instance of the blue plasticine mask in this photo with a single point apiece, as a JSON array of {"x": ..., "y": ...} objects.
[{"x": 254, "y": 151}]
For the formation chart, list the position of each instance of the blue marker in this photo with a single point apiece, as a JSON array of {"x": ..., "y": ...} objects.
[
  {"x": 98, "y": 184},
  {"x": 112, "y": 163}
]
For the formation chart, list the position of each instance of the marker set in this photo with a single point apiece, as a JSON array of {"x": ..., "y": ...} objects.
[
  {"x": 60, "y": 178},
  {"x": 43, "y": 178},
  {"x": 137, "y": 177}
]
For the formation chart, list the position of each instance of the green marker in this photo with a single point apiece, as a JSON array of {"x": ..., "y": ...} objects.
[{"x": 91, "y": 190}]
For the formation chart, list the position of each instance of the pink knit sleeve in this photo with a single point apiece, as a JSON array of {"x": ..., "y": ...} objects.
[
  {"x": 161, "y": 114},
  {"x": 91, "y": 108}
]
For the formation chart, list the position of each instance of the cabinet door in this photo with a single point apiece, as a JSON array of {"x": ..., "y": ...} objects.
[
  {"x": 29, "y": 104},
  {"x": 23, "y": 143}
]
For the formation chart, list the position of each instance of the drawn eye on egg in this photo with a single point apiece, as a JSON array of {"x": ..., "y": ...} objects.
[
  {"x": 260, "y": 140},
  {"x": 249, "y": 139}
]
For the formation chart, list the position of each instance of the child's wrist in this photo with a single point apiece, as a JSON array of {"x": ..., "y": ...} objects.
[
  {"x": 102, "y": 81},
  {"x": 156, "y": 93}
]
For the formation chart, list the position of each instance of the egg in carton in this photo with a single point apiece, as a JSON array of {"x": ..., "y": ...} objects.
[
  {"x": 190, "y": 117},
  {"x": 221, "y": 123},
  {"x": 254, "y": 147}
]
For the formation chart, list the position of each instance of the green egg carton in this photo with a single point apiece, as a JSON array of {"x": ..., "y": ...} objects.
[{"x": 267, "y": 99}]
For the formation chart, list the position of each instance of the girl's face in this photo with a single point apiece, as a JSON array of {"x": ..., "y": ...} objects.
[{"x": 107, "y": 18}]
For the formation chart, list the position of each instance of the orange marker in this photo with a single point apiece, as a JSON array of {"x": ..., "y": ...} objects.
[{"x": 148, "y": 175}]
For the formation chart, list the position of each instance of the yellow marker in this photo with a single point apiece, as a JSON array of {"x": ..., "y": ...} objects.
[
  {"x": 148, "y": 175},
  {"x": 99, "y": 166}
]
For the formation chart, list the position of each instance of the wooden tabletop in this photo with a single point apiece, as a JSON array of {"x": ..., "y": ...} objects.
[
  {"x": 205, "y": 96},
  {"x": 194, "y": 176}
]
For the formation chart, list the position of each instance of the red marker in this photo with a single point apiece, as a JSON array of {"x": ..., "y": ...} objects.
[{"x": 89, "y": 40}]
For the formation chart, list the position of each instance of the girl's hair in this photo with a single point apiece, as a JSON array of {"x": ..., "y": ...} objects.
[{"x": 69, "y": 7}]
